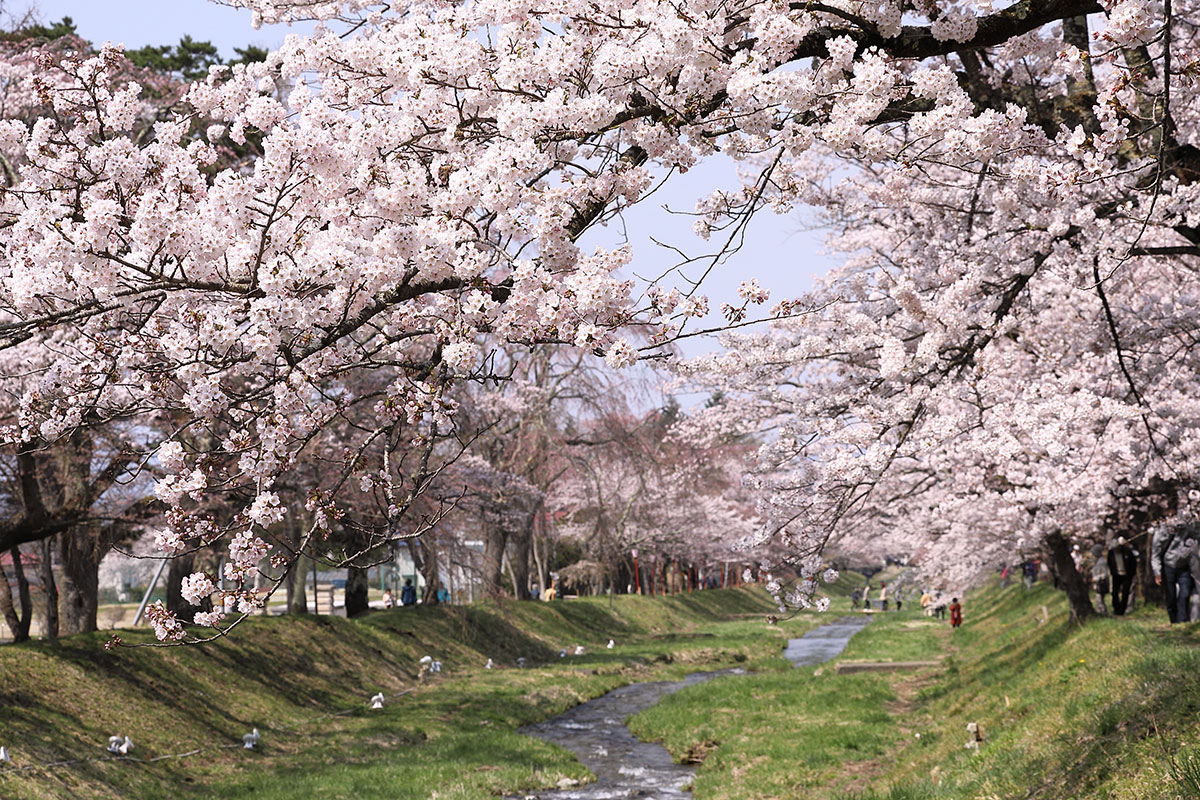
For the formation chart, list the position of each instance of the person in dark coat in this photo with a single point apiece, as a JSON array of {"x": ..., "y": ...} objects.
[
  {"x": 1122, "y": 566},
  {"x": 1029, "y": 569},
  {"x": 408, "y": 595}
]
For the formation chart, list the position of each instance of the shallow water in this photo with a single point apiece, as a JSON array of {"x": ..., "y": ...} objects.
[
  {"x": 628, "y": 768},
  {"x": 821, "y": 644}
]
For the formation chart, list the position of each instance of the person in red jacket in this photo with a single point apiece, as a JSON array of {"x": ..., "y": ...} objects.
[{"x": 955, "y": 613}]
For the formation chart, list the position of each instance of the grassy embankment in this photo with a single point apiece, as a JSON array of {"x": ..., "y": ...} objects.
[
  {"x": 1107, "y": 710},
  {"x": 304, "y": 683}
]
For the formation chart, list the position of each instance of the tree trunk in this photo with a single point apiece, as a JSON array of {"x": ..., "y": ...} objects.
[
  {"x": 79, "y": 552},
  {"x": 297, "y": 580},
  {"x": 50, "y": 587},
  {"x": 18, "y": 624},
  {"x": 180, "y": 567},
  {"x": 512, "y": 578},
  {"x": 495, "y": 540},
  {"x": 1152, "y": 593},
  {"x": 356, "y": 591},
  {"x": 537, "y": 553},
  {"x": 519, "y": 560},
  {"x": 428, "y": 566},
  {"x": 1069, "y": 578},
  {"x": 8, "y": 610},
  {"x": 424, "y": 560},
  {"x": 520, "y": 557}
]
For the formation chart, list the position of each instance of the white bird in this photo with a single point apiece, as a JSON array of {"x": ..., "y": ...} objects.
[
  {"x": 578, "y": 649},
  {"x": 377, "y": 701},
  {"x": 562, "y": 653},
  {"x": 250, "y": 739},
  {"x": 4, "y": 757},
  {"x": 119, "y": 744},
  {"x": 426, "y": 659},
  {"x": 611, "y": 644},
  {"x": 488, "y": 665},
  {"x": 521, "y": 661}
]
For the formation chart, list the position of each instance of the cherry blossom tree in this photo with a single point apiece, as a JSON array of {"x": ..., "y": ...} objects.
[
  {"x": 1006, "y": 356},
  {"x": 632, "y": 486},
  {"x": 428, "y": 172}
]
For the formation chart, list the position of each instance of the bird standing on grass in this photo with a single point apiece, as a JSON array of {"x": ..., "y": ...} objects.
[
  {"x": 578, "y": 649},
  {"x": 377, "y": 701},
  {"x": 120, "y": 745},
  {"x": 4, "y": 757},
  {"x": 611, "y": 644},
  {"x": 488, "y": 665},
  {"x": 250, "y": 739}
]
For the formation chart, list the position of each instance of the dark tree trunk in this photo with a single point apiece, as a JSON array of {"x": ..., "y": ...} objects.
[
  {"x": 180, "y": 567},
  {"x": 8, "y": 610},
  {"x": 519, "y": 560},
  {"x": 1069, "y": 578},
  {"x": 495, "y": 540},
  {"x": 18, "y": 623},
  {"x": 50, "y": 587},
  {"x": 79, "y": 552},
  {"x": 425, "y": 559},
  {"x": 297, "y": 580},
  {"x": 356, "y": 591}
]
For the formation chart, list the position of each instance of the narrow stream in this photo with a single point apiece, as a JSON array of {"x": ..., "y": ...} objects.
[{"x": 628, "y": 768}]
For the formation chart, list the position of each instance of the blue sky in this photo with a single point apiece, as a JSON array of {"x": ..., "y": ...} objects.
[{"x": 779, "y": 250}]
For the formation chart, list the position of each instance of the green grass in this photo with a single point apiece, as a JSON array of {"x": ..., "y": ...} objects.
[
  {"x": 304, "y": 683},
  {"x": 1106, "y": 711},
  {"x": 795, "y": 731}
]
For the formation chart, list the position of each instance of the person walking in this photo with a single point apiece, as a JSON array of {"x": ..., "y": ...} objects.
[
  {"x": 955, "y": 614},
  {"x": 883, "y": 597},
  {"x": 408, "y": 594},
  {"x": 867, "y": 597},
  {"x": 1029, "y": 570},
  {"x": 1122, "y": 566},
  {"x": 939, "y": 605},
  {"x": 1171, "y": 551},
  {"x": 899, "y": 598},
  {"x": 855, "y": 597}
]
